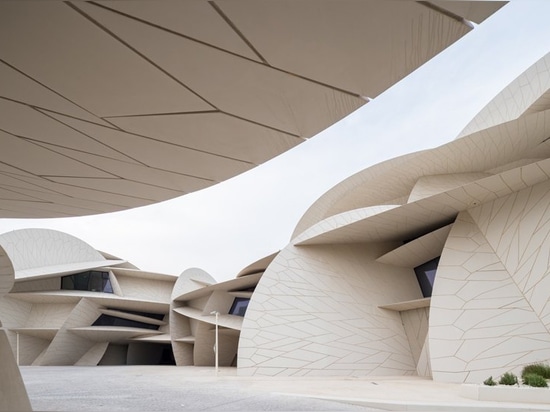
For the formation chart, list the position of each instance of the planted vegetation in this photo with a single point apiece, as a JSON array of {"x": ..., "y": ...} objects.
[
  {"x": 534, "y": 375},
  {"x": 489, "y": 381},
  {"x": 535, "y": 381},
  {"x": 540, "y": 369},
  {"x": 508, "y": 379}
]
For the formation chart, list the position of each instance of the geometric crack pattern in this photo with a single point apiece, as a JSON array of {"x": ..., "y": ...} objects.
[
  {"x": 192, "y": 325},
  {"x": 35, "y": 248},
  {"x": 315, "y": 312},
  {"x": 490, "y": 308},
  {"x": 513, "y": 127},
  {"x": 53, "y": 326},
  {"x": 531, "y": 88},
  {"x": 7, "y": 272},
  {"x": 110, "y": 105},
  {"x": 13, "y": 395},
  {"x": 343, "y": 298},
  {"x": 415, "y": 322}
]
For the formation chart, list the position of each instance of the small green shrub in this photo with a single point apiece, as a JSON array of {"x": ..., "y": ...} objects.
[
  {"x": 540, "y": 369},
  {"x": 508, "y": 379},
  {"x": 489, "y": 381},
  {"x": 534, "y": 380}
]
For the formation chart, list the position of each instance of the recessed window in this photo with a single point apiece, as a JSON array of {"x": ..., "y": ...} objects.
[
  {"x": 425, "y": 273},
  {"x": 92, "y": 280},
  {"x": 157, "y": 316},
  {"x": 108, "y": 320},
  {"x": 239, "y": 306}
]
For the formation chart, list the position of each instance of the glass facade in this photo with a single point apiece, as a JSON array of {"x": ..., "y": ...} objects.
[
  {"x": 92, "y": 280},
  {"x": 239, "y": 306},
  {"x": 425, "y": 273}
]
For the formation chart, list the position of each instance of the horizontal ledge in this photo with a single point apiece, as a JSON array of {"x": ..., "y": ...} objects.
[
  {"x": 505, "y": 393},
  {"x": 408, "y": 305},
  {"x": 164, "y": 338},
  {"x": 186, "y": 339},
  {"x": 43, "y": 333},
  {"x": 241, "y": 294},
  {"x": 131, "y": 316},
  {"x": 224, "y": 320}
]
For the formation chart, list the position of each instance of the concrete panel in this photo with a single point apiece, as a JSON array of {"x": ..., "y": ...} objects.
[
  {"x": 502, "y": 324},
  {"x": 12, "y": 389},
  {"x": 315, "y": 312}
]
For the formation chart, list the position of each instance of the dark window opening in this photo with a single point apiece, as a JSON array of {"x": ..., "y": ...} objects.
[
  {"x": 108, "y": 320},
  {"x": 92, "y": 280},
  {"x": 157, "y": 316},
  {"x": 425, "y": 273},
  {"x": 239, "y": 306}
]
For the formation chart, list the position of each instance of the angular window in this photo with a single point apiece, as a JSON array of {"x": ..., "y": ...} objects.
[
  {"x": 92, "y": 280},
  {"x": 108, "y": 320},
  {"x": 157, "y": 316},
  {"x": 425, "y": 273},
  {"x": 239, "y": 306}
]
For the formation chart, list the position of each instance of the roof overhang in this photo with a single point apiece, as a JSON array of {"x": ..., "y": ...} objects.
[{"x": 110, "y": 105}]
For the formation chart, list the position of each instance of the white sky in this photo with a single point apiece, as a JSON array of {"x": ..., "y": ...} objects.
[{"x": 224, "y": 228}]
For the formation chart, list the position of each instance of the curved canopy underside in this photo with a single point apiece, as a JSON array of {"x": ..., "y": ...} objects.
[{"x": 110, "y": 105}]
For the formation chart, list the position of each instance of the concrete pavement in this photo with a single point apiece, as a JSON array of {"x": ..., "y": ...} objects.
[{"x": 170, "y": 388}]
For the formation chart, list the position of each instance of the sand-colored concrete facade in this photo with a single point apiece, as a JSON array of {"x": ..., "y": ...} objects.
[
  {"x": 343, "y": 297},
  {"x": 99, "y": 115},
  {"x": 73, "y": 305}
]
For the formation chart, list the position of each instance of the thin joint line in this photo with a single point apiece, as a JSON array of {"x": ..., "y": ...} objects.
[
  {"x": 84, "y": 134},
  {"x": 115, "y": 179},
  {"x": 41, "y": 109},
  {"x": 447, "y": 13},
  {"x": 50, "y": 191},
  {"x": 162, "y": 114},
  {"x": 237, "y": 31},
  {"x": 133, "y": 134},
  {"x": 46, "y": 145},
  {"x": 151, "y": 62},
  {"x": 264, "y": 125},
  {"x": 46, "y": 87},
  {"x": 262, "y": 63}
]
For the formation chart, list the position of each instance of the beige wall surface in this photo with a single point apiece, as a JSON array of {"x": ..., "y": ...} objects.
[
  {"x": 35, "y": 248},
  {"x": 315, "y": 312},
  {"x": 66, "y": 347},
  {"x": 415, "y": 322},
  {"x": 13, "y": 395},
  {"x": 146, "y": 289},
  {"x": 490, "y": 310}
]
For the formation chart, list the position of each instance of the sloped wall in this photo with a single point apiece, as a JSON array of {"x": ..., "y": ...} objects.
[
  {"x": 13, "y": 395},
  {"x": 415, "y": 323},
  {"x": 66, "y": 347},
  {"x": 315, "y": 312},
  {"x": 34, "y": 248},
  {"x": 490, "y": 310}
]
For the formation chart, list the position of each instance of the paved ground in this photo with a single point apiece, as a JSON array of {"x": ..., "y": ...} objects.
[
  {"x": 170, "y": 388},
  {"x": 158, "y": 388}
]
